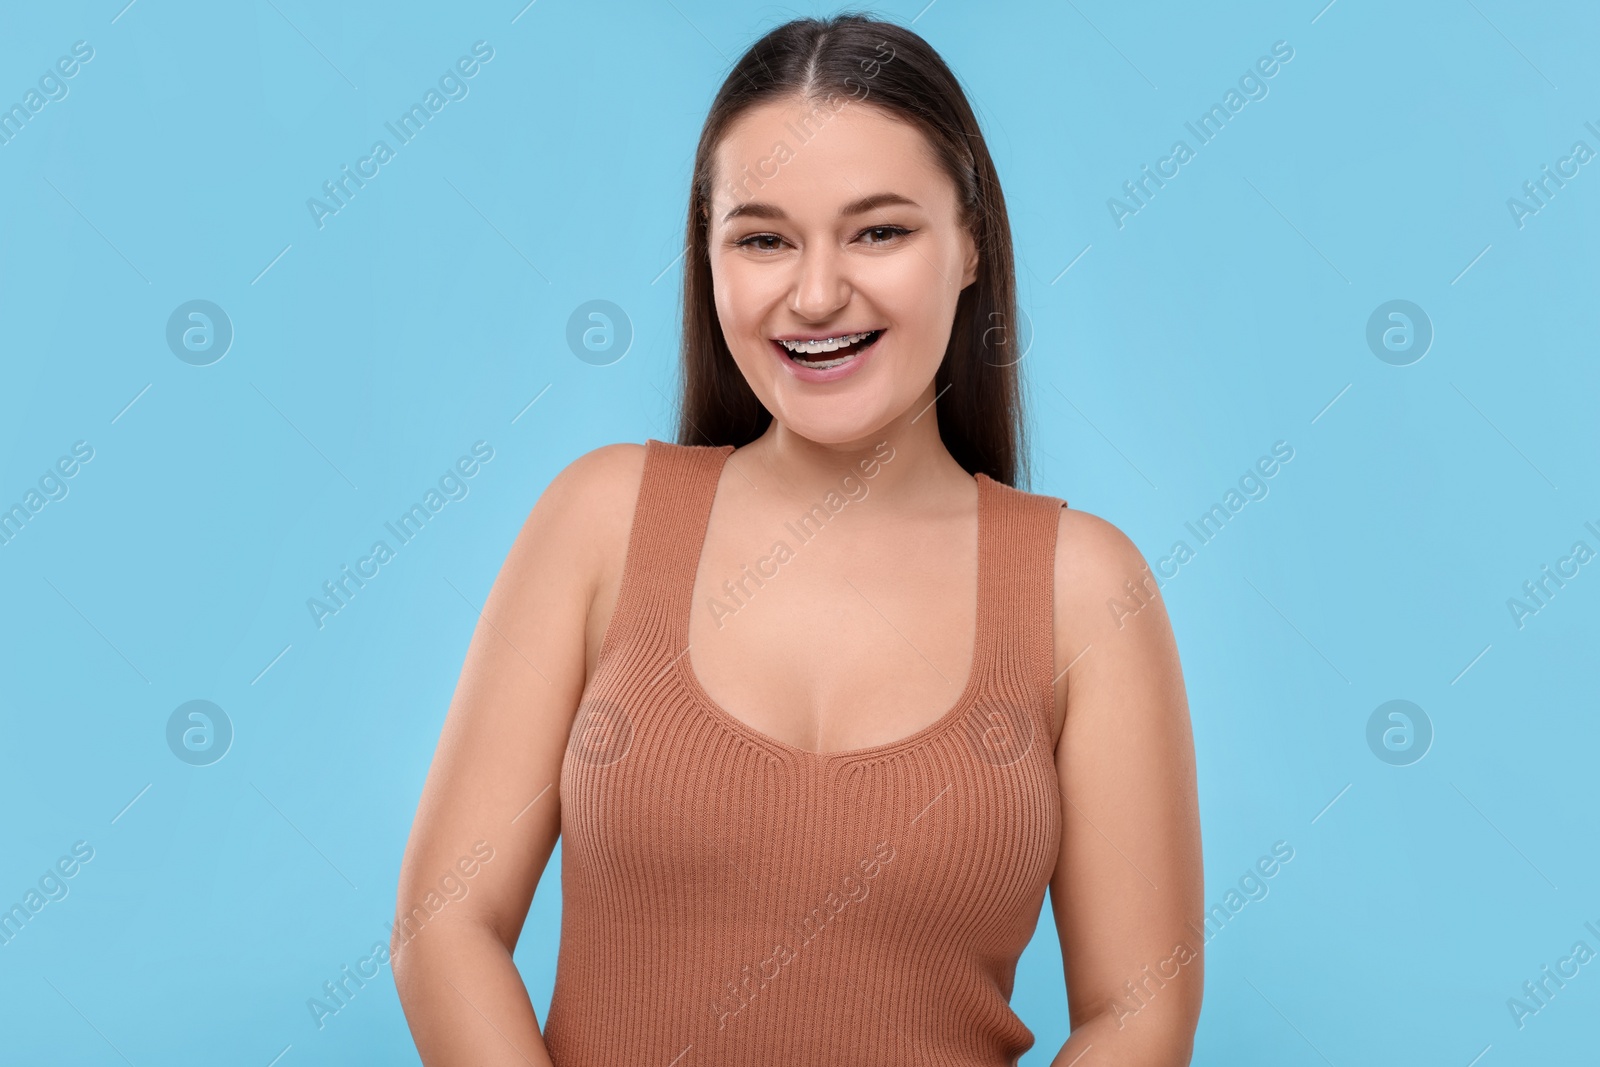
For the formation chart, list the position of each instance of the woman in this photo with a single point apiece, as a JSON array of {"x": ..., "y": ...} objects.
[{"x": 817, "y": 701}]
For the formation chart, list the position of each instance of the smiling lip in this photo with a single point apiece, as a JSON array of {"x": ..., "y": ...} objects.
[
  {"x": 827, "y": 374},
  {"x": 825, "y": 336}
]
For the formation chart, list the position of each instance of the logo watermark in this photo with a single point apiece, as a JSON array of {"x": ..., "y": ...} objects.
[
  {"x": 1537, "y": 995},
  {"x": 602, "y": 732},
  {"x": 1537, "y": 194},
  {"x": 736, "y": 994},
  {"x": 199, "y": 332},
  {"x": 452, "y": 485},
  {"x": 821, "y": 113},
  {"x": 1138, "y": 992},
  {"x": 339, "y": 992},
  {"x": 738, "y": 592},
  {"x": 51, "y": 886},
  {"x": 52, "y": 87},
  {"x": 452, "y": 85},
  {"x": 1252, "y": 86},
  {"x": 1252, "y": 486},
  {"x": 1399, "y": 733},
  {"x": 199, "y": 733},
  {"x": 453, "y": 885},
  {"x": 52, "y": 487},
  {"x": 599, "y": 332},
  {"x": 1538, "y": 592},
  {"x": 1000, "y": 732},
  {"x": 1399, "y": 332}
]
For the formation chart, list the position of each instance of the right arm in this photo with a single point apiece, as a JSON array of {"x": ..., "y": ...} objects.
[{"x": 495, "y": 776}]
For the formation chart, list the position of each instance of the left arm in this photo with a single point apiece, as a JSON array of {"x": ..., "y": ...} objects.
[{"x": 1128, "y": 891}]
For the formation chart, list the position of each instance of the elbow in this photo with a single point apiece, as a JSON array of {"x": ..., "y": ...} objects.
[
  {"x": 400, "y": 945},
  {"x": 408, "y": 946},
  {"x": 403, "y": 936},
  {"x": 1155, "y": 1029},
  {"x": 1173, "y": 1030},
  {"x": 1170, "y": 1025},
  {"x": 1179, "y": 1049},
  {"x": 1157, "y": 1039},
  {"x": 416, "y": 950}
]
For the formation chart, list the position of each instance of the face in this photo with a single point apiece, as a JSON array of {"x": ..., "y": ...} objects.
[{"x": 843, "y": 224}]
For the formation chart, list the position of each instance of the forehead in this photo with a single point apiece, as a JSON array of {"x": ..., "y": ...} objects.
[{"x": 811, "y": 157}]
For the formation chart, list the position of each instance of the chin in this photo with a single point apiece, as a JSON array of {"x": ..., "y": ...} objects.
[{"x": 833, "y": 426}]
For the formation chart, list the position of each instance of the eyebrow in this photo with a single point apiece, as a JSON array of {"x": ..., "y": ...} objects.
[{"x": 756, "y": 210}]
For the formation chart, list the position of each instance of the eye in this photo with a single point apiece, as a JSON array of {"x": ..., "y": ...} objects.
[
  {"x": 753, "y": 239},
  {"x": 892, "y": 232}
]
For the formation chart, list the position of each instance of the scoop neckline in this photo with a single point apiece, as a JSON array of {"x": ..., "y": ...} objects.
[{"x": 683, "y": 666}]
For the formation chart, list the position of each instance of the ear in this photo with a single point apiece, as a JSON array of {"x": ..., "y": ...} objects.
[{"x": 970, "y": 262}]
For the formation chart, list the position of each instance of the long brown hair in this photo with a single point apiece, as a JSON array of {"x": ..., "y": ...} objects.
[{"x": 853, "y": 55}]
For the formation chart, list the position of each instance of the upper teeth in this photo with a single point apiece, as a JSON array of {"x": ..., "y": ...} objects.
[{"x": 830, "y": 344}]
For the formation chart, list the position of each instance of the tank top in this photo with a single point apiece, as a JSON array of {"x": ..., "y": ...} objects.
[{"x": 728, "y": 899}]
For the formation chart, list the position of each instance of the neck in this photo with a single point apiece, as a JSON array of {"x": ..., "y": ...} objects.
[{"x": 907, "y": 459}]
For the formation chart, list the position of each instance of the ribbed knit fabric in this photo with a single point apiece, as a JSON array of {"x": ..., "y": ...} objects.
[{"x": 728, "y": 899}]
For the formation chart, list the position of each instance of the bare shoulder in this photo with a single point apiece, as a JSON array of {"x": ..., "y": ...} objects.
[
  {"x": 609, "y": 474},
  {"x": 587, "y": 509},
  {"x": 1093, "y": 558},
  {"x": 597, "y": 488},
  {"x": 1111, "y": 625},
  {"x": 585, "y": 517}
]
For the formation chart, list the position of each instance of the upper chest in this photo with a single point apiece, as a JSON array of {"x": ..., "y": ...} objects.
[
  {"x": 835, "y": 630},
  {"x": 849, "y": 622}
]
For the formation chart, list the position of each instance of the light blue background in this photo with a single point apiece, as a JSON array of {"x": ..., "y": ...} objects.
[{"x": 1228, "y": 314}]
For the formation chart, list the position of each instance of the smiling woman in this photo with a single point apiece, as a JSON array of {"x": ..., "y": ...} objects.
[
  {"x": 937, "y": 680},
  {"x": 912, "y": 240}
]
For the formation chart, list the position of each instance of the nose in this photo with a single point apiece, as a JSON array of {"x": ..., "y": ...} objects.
[{"x": 820, "y": 287}]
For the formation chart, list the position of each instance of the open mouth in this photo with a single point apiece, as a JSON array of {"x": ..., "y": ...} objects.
[{"x": 829, "y": 352}]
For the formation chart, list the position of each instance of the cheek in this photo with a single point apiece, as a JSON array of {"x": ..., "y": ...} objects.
[
  {"x": 922, "y": 282},
  {"x": 741, "y": 299},
  {"x": 917, "y": 300},
  {"x": 741, "y": 294}
]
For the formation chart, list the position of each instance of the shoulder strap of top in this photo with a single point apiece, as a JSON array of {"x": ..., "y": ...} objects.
[
  {"x": 1015, "y": 643},
  {"x": 664, "y": 542},
  {"x": 1021, "y": 557}
]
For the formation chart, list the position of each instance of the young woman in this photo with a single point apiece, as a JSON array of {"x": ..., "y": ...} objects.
[{"x": 817, "y": 700}]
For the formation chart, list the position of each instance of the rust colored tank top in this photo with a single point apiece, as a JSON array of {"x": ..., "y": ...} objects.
[{"x": 728, "y": 899}]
